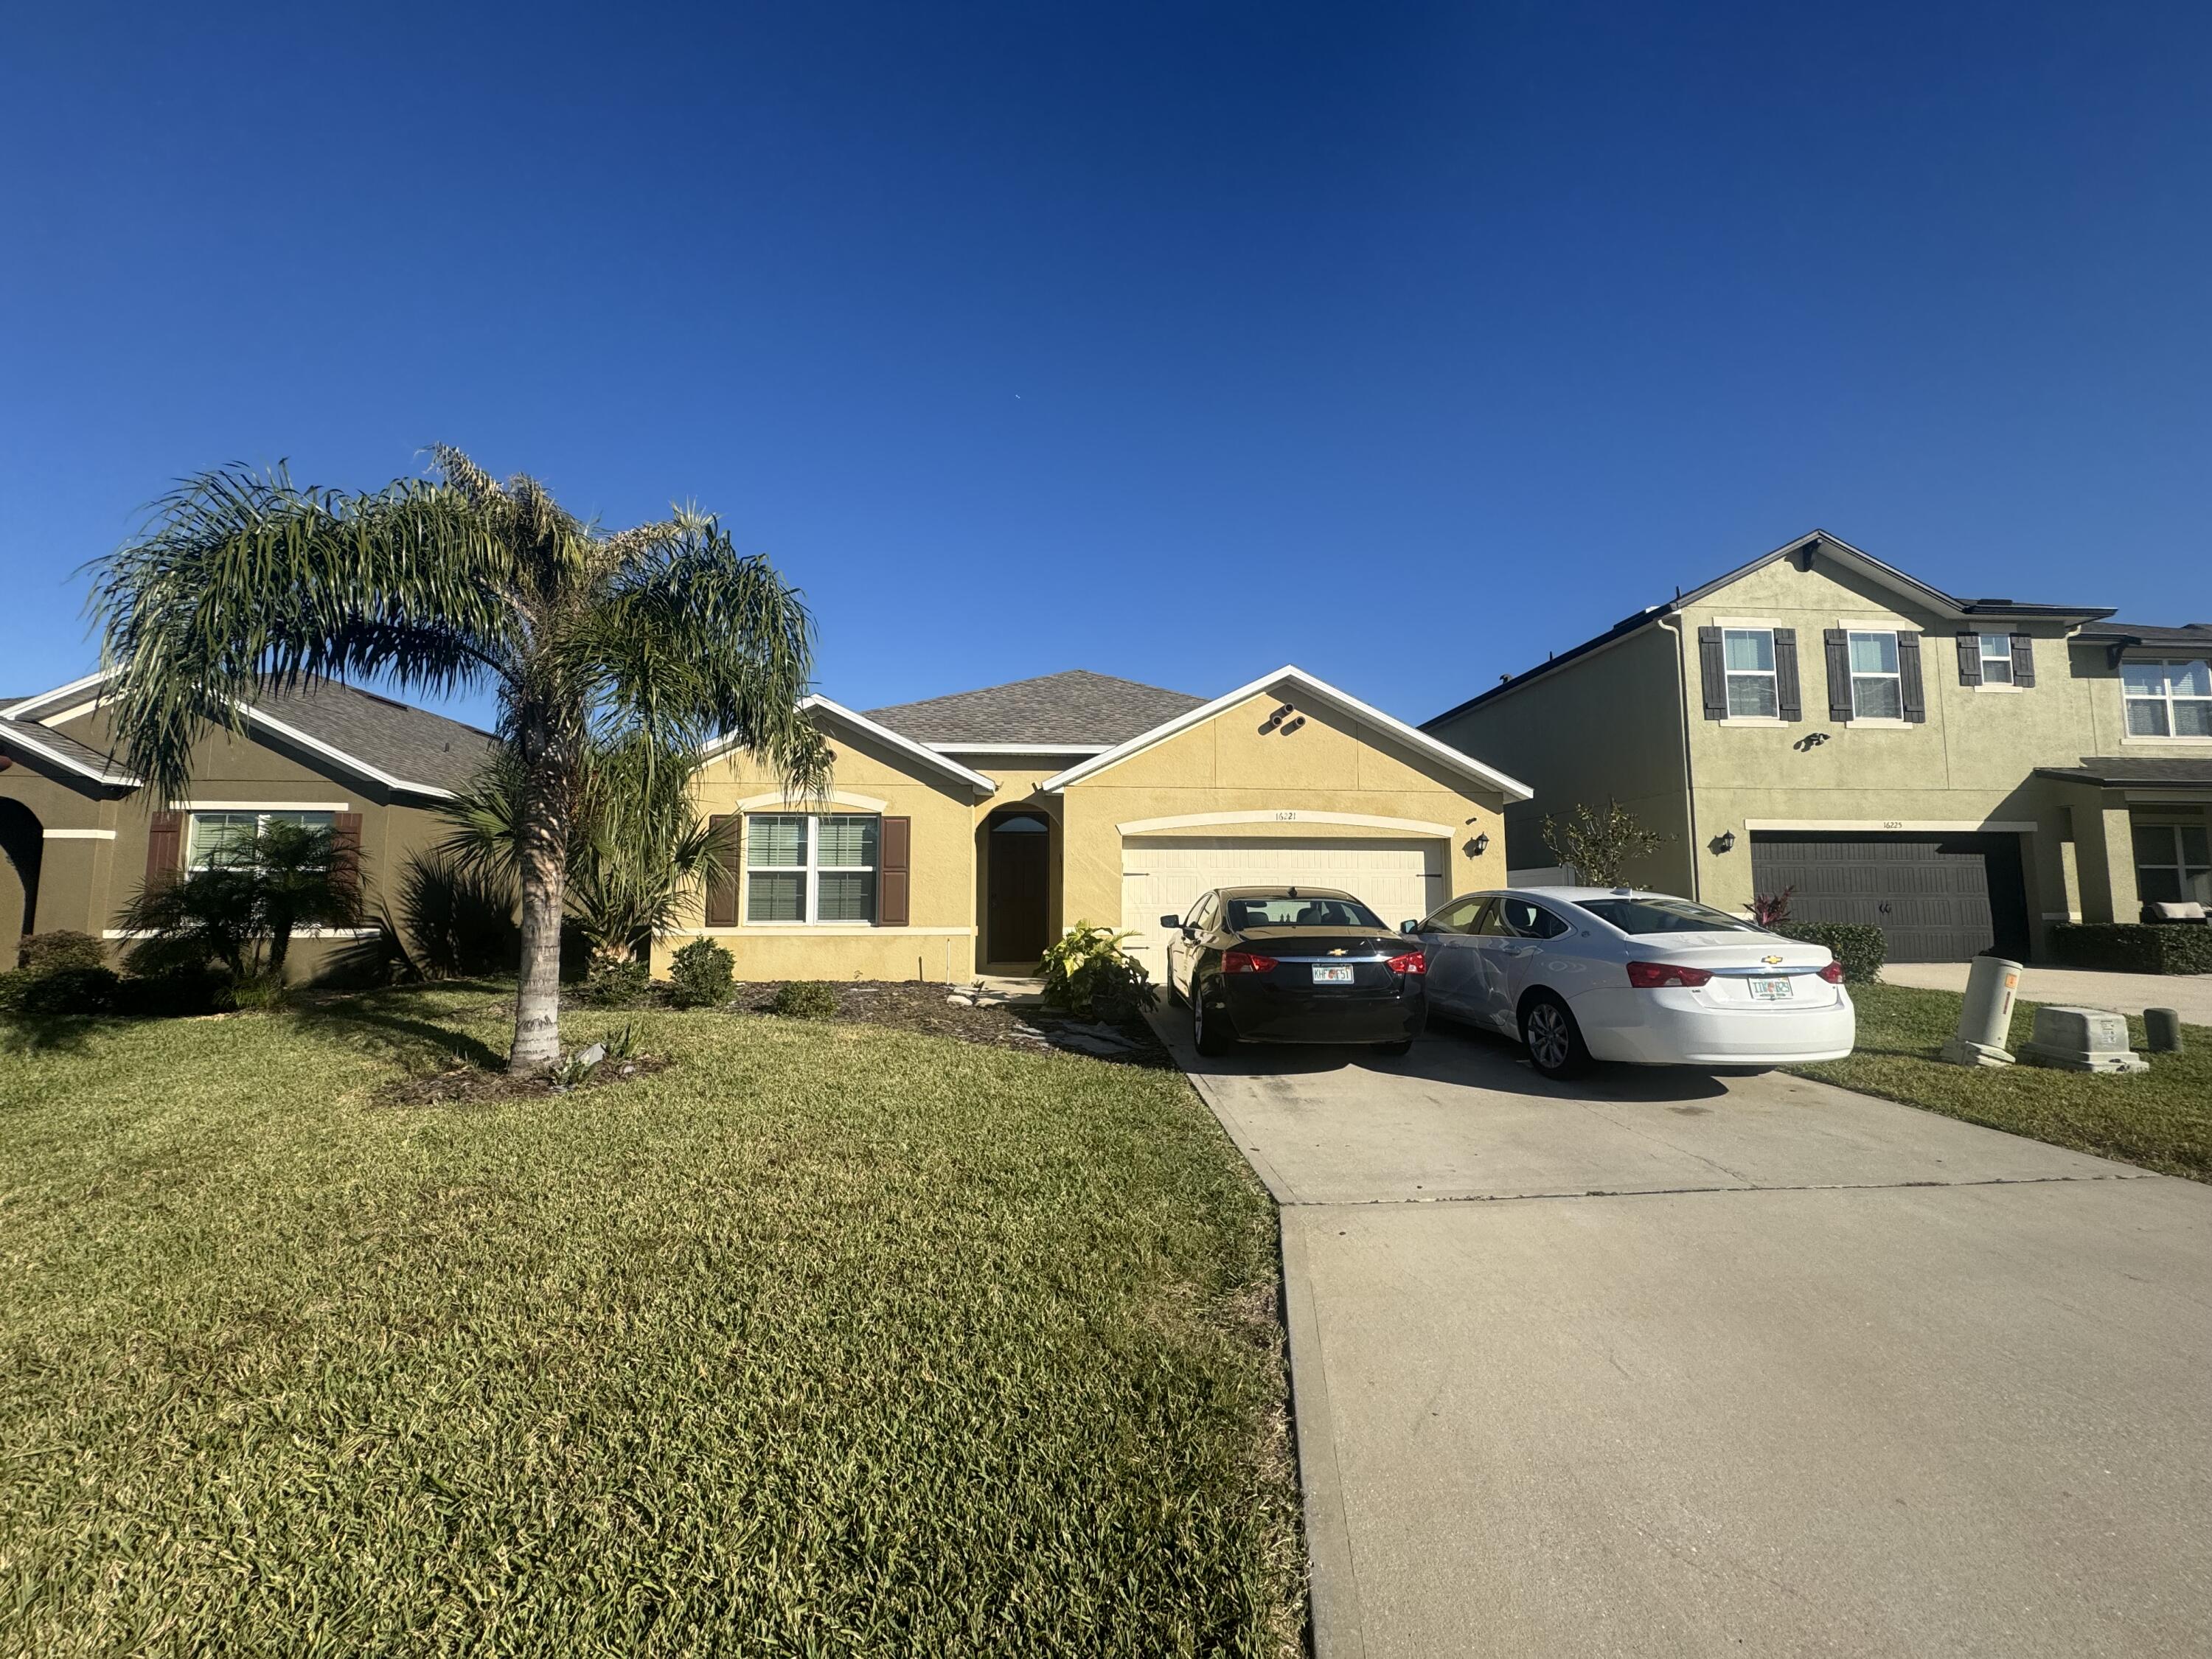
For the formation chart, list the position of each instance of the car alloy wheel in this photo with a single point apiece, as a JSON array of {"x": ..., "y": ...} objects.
[{"x": 1547, "y": 1035}]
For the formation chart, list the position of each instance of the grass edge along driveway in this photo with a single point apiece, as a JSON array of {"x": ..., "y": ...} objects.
[
  {"x": 2161, "y": 1119},
  {"x": 828, "y": 1339}
]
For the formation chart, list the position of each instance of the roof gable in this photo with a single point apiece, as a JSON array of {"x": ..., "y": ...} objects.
[
  {"x": 923, "y": 757},
  {"x": 1074, "y": 710}
]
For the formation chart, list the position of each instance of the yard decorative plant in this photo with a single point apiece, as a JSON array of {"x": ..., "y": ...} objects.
[
  {"x": 1600, "y": 846},
  {"x": 630, "y": 647},
  {"x": 1088, "y": 973}
]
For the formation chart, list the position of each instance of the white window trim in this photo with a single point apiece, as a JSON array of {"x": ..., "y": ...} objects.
[
  {"x": 1983, "y": 658},
  {"x": 1875, "y": 722},
  {"x": 2165, "y": 701},
  {"x": 1771, "y": 675},
  {"x": 261, "y": 822},
  {"x": 812, "y": 868}
]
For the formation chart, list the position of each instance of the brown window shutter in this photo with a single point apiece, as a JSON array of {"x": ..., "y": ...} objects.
[
  {"x": 1908, "y": 677},
  {"x": 2023, "y": 659},
  {"x": 894, "y": 884},
  {"x": 165, "y": 847},
  {"x": 1969, "y": 658},
  {"x": 345, "y": 845},
  {"x": 722, "y": 891},
  {"x": 1712, "y": 670},
  {"x": 1839, "y": 644},
  {"x": 1789, "y": 699}
]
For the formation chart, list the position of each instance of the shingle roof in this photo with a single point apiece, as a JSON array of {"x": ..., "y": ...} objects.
[
  {"x": 33, "y": 738},
  {"x": 404, "y": 742},
  {"x": 2192, "y": 634},
  {"x": 1078, "y": 707},
  {"x": 2120, "y": 771}
]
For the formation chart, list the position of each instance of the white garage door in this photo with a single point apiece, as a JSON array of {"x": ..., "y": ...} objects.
[{"x": 1398, "y": 880}]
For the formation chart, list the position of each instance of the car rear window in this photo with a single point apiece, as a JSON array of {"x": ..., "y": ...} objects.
[
  {"x": 1664, "y": 916},
  {"x": 1287, "y": 912}
]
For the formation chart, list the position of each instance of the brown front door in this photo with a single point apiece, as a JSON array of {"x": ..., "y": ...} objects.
[{"x": 1019, "y": 878}]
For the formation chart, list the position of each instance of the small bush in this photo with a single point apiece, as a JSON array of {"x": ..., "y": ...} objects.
[
  {"x": 45, "y": 953},
  {"x": 1859, "y": 947},
  {"x": 805, "y": 999},
  {"x": 2132, "y": 947},
  {"x": 1088, "y": 973},
  {"x": 261, "y": 992},
  {"x": 67, "y": 991},
  {"x": 616, "y": 985},
  {"x": 701, "y": 976}
]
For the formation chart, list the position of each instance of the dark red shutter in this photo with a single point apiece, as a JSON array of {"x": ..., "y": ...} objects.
[
  {"x": 345, "y": 846},
  {"x": 2023, "y": 659},
  {"x": 894, "y": 884},
  {"x": 1712, "y": 672},
  {"x": 165, "y": 847},
  {"x": 722, "y": 891},
  {"x": 1789, "y": 699}
]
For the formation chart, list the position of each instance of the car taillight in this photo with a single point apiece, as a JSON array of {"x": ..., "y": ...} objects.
[
  {"x": 1833, "y": 972},
  {"x": 1413, "y": 962},
  {"x": 1246, "y": 962},
  {"x": 1654, "y": 975}
]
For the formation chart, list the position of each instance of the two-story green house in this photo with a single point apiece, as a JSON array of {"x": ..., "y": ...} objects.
[{"x": 1961, "y": 773}]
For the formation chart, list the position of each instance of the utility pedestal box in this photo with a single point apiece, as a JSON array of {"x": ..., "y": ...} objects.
[{"x": 2081, "y": 1040}]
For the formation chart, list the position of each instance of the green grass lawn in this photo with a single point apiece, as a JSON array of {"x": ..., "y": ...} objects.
[
  {"x": 2161, "y": 1119},
  {"x": 829, "y": 1339}
]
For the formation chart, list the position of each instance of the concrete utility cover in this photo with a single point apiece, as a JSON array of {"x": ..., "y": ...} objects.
[{"x": 1811, "y": 1373}]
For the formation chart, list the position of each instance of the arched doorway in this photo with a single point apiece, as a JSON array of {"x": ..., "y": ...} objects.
[
  {"x": 23, "y": 844},
  {"x": 1018, "y": 885}
]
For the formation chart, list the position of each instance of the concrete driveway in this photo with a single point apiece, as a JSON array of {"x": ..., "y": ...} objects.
[{"x": 1668, "y": 1364}]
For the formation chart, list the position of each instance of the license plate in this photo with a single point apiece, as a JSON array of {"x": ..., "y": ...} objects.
[
  {"x": 1770, "y": 990},
  {"x": 1332, "y": 973}
]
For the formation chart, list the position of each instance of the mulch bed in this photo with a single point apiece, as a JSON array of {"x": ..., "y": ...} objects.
[
  {"x": 917, "y": 1005},
  {"x": 474, "y": 1085}
]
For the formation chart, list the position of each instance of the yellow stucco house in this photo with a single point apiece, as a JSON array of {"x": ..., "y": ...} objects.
[{"x": 962, "y": 834}]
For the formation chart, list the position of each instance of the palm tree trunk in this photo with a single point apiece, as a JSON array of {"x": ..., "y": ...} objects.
[{"x": 543, "y": 834}]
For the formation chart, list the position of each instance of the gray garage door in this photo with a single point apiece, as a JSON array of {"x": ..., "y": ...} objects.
[{"x": 1937, "y": 898}]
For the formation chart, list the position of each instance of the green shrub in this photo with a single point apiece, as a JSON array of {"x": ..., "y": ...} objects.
[
  {"x": 1858, "y": 946},
  {"x": 805, "y": 999},
  {"x": 2132, "y": 947},
  {"x": 44, "y": 953},
  {"x": 11, "y": 990},
  {"x": 616, "y": 985},
  {"x": 181, "y": 995},
  {"x": 67, "y": 991},
  {"x": 1088, "y": 973},
  {"x": 701, "y": 976}
]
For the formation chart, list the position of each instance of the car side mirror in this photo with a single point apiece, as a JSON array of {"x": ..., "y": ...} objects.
[
  {"x": 1409, "y": 926},
  {"x": 1171, "y": 921}
]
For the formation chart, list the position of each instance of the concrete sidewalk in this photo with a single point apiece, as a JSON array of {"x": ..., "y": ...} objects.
[
  {"x": 1677, "y": 1364},
  {"x": 2126, "y": 994}
]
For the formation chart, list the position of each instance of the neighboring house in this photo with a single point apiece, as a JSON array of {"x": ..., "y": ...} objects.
[
  {"x": 965, "y": 832},
  {"x": 1961, "y": 773},
  {"x": 79, "y": 837}
]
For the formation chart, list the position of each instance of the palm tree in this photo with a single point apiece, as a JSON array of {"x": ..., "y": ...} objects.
[
  {"x": 247, "y": 903},
  {"x": 644, "y": 641}
]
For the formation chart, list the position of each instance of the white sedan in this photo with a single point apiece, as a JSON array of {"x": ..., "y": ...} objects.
[{"x": 1592, "y": 972}]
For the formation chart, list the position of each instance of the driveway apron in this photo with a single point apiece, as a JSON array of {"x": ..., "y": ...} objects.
[{"x": 1669, "y": 1364}]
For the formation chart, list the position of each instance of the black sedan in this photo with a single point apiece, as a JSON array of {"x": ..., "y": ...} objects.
[{"x": 1294, "y": 964}]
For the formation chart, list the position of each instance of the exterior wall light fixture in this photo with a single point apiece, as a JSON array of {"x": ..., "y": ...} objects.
[{"x": 1724, "y": 841}]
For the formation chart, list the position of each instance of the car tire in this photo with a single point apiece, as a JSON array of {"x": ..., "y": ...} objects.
[
  {"x": 1211, "y": 1033},
  {"x": 1554, "y": 1041},
  {"x": 1175, "y": 998},
  {"x": 1394, "y": 1050}
]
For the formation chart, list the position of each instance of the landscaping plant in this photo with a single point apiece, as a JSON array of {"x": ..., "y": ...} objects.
[
  {"x": 805, "y": 999},
  {"x": 1088, "y": 973},
  {"x": 1859, "y": 947},
  {"x": 1598, "y": 846},
  {"x": 641, "y": 644},
  {"x": 242, "y": 911},
  {"x": 701, "y": 976}
]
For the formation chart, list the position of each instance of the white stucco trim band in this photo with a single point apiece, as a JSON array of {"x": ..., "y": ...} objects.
[
  {"x": 297, "y": 932},
  {"x": 1358, "y": 820},
  {"x": 818, "y": 930},
  {"x": 1321, "y": 691},
  {"x": 778, "y": 800},
  {"x": 80, "y": 834},
  {"x": 260, "y": 806},
  {"x": 1913, "y": 826}
]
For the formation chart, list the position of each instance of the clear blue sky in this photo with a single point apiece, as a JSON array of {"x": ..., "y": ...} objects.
[{"x": 1407, "y": 343}]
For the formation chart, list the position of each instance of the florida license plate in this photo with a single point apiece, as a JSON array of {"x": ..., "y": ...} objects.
[
  {"x": 1770, "y": 990},
  {"x": 1332, "y": 973}
]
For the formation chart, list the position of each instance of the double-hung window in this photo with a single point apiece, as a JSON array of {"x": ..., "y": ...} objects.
[
  {"x": 2173, "y": 862},
  {"x": 1749, "y": 656},
  {"x": 2168, "y": 699},
  {"x": 225, "y": 840},
  {"x": 806, "y": 867},
  {"x": 1996, "y": 659},
  {"x": 1877, "y": 684}
]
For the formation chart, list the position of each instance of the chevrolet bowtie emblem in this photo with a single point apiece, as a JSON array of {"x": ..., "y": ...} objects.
[
  {"x": 1339, "y": 951},
  {"x": 1772, "y": 962}
]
